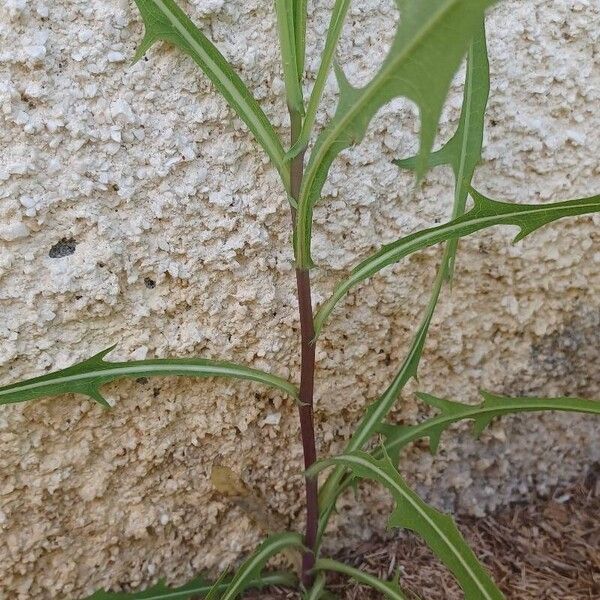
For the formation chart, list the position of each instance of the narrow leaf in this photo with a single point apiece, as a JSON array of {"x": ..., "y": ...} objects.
[
  {"x": 317, "y": 590},
  {"x": 287, "y": 43},
  {"x": 436, "y": 529},
  {"x": 164, "y": 20},
  {"x": 300, "y": 9},
  {"x": 463, "y": 151},
  {"x": 217, "y": 587},
  {"x": 252, "y": 567},
  {"x": 430, "y": 42},
  {"x": 469, "y": 139},
  {"x": 493, "y": 406},
  {"x": 338, "y": 15},
  {"x": 485, "y": 213},
  {"x": 378, "y": 410},
  {"x": 194, "y": 589},
  {"x": 88, "y": 376},
  {"x": 390, "y": 589}
]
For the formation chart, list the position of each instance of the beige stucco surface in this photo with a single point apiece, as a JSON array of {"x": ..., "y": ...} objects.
[{"x": 181, "y": 247}]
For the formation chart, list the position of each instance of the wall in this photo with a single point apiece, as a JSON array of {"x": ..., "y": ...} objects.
[{"x": 136, "y": 210}]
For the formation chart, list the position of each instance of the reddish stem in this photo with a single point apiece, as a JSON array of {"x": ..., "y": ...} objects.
[{"x": 307, "y": 376}]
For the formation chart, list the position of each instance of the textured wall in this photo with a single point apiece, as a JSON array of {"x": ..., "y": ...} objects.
[{"x": 136, "y": 210}]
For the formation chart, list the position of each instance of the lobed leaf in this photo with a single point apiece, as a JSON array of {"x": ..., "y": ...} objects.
[
  {"x": 493, "y": 406},
  {"x": 390, "y": 589},
  {"x": 468, "y": 139},
  {"x": 88, "y": 376},
  {"x": 397, "y": 437},
  {"x": 463, "y": 151},
  {"x": 164, "y": 20},
  {"x": 430, "y": 42},
  {"x": 378, "y": 410},
  {"x": 485, "y": 213},
  {"x": 437, "y": 529},
  {"x": 528, "y": 218},
  {"x": 252, "y": 567},
  {"x": 191, "y": 590}
]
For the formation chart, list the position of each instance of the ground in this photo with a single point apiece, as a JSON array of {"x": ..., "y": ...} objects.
[{"x": 544, "y": 550}]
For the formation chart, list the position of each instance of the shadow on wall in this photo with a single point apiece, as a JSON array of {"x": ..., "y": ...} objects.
[{"x": 568, "y": 359}]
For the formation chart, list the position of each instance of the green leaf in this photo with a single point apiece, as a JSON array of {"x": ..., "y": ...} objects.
[
  {"x": 463, "y": 151},
  {"x": 193, "y": 589},
  {"x": 164, "y": 20},
  {"x": 158, "y": 592},
  {"x": 437, "y": 529},
  {"x": 430, "y": 42},
  {"x": 485, "y": 213},
  {"x": 217, "y": 587},
  {"x": 469, "y": 138},
  {"x": 397, "y": 437},
  {"x": 493, "y": 406},
  {"x": 378, "y": 410},
  {"x": 300, "y": 9},
  {"x": 287, "y": 42},
  {"x": 88, "y": 376},
  {"x": 390, "y": 589},
  {"x": 250, "y": 570},
  {"x": 338, "y": 15},
  {"x": 317, "y": 590}
]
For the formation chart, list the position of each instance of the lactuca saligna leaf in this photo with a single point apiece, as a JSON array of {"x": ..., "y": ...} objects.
[
  {"x": 397, "y": 437},
  {"x": 390, "y": 589},
  {"x": 465, "y": 146},
  {"x": 338, "y": 15},
  {"x": 437, "y": 529},
  {"x": 300, "y": 8},
  {"x": 318, "y": 591},
  {"x": 160, "y": 591},
  {"x": 450, "y": 412},
  {"x": 198, "y": 588},
  {"x": 379, "y": 409},
  {"x": 251, "y": 569},
  {"x": 164, "y": 20},
  {"x": 430, "y": 42},
  {"x": 485, "y": 213},
  {"x": 88, "y": 376},
  {"x": 463, "y": 151},
  {"x": 287, "y": 41}
]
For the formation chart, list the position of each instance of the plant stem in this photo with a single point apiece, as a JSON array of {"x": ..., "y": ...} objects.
[{"x": 307, "y": 374}]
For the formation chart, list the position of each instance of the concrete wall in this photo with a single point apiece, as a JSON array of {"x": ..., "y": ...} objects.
[{"x": 137, "y": 210}]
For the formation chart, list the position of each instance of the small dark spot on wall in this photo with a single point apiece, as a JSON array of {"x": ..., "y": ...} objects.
[
  {"x": 115, "y": 187},
  {"x": 494, "y": 123},
  {"x": 65, "y": 247},
  {"x": 141, "y": 380},
  {"x": 149, "y": 283}
]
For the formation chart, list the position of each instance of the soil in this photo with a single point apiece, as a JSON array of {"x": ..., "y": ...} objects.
[{"x": 547, "y": 549}]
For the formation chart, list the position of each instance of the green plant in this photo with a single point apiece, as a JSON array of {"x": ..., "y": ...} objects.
[{"x": 432, "y": 39}]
